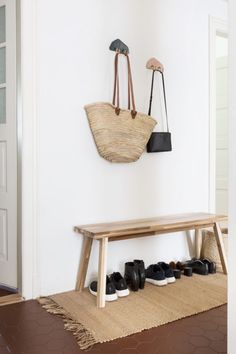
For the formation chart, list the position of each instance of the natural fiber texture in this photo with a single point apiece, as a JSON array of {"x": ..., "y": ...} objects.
[
  {"x": 210, "y": 249},
  {"x": 151, "y": 307},
  {"x": 84, "y": 338},
  {"x": 119, "y": 138}
]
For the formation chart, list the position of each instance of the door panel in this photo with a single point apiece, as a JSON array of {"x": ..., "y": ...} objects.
[
  {"x": 8, "y": 145},
  {"x": 2, "y": 105},
  {"x": 3, "y": 167},
  {"x": 2, "y": 65},
  {"x": 3, "y": 232},
  {"x": 222, "y": 163},
  {"x": 221, "y": 201},
  {"x": 222, "y": 135},
  {"x": 2, "y": 24},
  {"x": 222, "y": 127}
]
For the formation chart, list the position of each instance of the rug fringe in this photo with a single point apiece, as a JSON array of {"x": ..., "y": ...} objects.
[{"x": 84, "y": 338}]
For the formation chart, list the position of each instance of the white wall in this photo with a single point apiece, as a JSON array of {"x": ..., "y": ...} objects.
[
  {"x": 76, "y": 186},
  {"x": 232, "y": 178}
]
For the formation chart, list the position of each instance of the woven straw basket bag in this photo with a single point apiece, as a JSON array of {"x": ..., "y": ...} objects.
[
  {"x": 120, "y": 135},
  {"x": 210, "y": 249}
]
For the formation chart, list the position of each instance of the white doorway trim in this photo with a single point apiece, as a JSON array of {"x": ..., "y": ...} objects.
[
  {"x": 30, "y": 130},
  {"x": 216, "y": 26},
  {"x": 8, "y": 142}
]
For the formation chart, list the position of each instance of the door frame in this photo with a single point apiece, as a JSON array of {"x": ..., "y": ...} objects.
[
  {"x": 11, "y": 66},
  {"x": 216, "y": 26},
  {"x": 19, "y": 145},
  {"x": 28, "y": 130}
]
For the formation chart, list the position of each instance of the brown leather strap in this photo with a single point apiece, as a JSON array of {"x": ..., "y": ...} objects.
[
  {"x": 116, "y": 93},
  {"x": 133, "y": 112},
  {"x": 116, "y": 83},
  {"x": 128, "y": 95}
]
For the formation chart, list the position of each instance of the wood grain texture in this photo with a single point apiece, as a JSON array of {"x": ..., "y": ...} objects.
[
  {"x": 84, "y": 260},
  {"x": 162, "y": 224},
  {"x": 221, "y": 249},
  {"x": 122, "y": 230},
  {"x": 102, "y": 269},
  {"x": 10, "y": 299},
  {"x": 198, "y": 242}
]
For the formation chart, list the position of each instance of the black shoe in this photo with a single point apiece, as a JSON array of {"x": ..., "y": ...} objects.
[
  {"x": 141, "y": 272},
  {"x": 198, "y": 266},
  {"x": 111, "y": 294},
  {"x": 177, "y": 273},
  {"x": 155, "y": 275},
  {"x": 211, "y": 265},
  {"x": 169, "y": 274},
  {"x": 188, "y": 271},
  {"x": 120, "y": 284},
  {"x": 132, "y": 275}
]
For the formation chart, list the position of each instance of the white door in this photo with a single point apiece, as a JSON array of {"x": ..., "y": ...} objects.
[
  {"x": 222, "y": 134},
  {"x": 8, "y": 145}
]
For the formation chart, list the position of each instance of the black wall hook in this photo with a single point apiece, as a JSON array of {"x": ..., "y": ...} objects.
[{"x": 118, "y": 46}]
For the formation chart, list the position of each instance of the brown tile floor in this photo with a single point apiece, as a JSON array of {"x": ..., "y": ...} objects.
[{"x": 26, "y": 328}]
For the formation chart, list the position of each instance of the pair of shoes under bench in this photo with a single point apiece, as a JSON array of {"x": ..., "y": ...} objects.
[
  {"x": 160, "y": 274},
  {"x": 115, "y": 287}
]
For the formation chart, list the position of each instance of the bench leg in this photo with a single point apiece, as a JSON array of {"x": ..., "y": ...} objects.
[
  {"x": 102, "y": 268},
  {"x": 198, "y": 243},
  {"x": 84, "y": 260},
  {"x": 220, "y": 245}
]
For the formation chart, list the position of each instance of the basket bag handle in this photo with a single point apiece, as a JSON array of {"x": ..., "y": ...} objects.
[{"x": 116, "y": 91}]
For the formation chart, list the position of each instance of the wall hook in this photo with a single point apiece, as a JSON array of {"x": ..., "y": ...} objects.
[
  {"x": 155, "y": 65},
  {"x": 118, "y": 46}
]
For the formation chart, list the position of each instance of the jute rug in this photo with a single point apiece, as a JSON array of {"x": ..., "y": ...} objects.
[{"x": 151, "y": 307}]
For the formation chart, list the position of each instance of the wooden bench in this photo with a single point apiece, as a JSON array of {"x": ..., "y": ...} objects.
[{"x": 124, "y": 230}]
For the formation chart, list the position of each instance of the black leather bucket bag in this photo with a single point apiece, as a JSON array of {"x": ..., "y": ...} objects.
[{"x": 159, "y": 141}]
